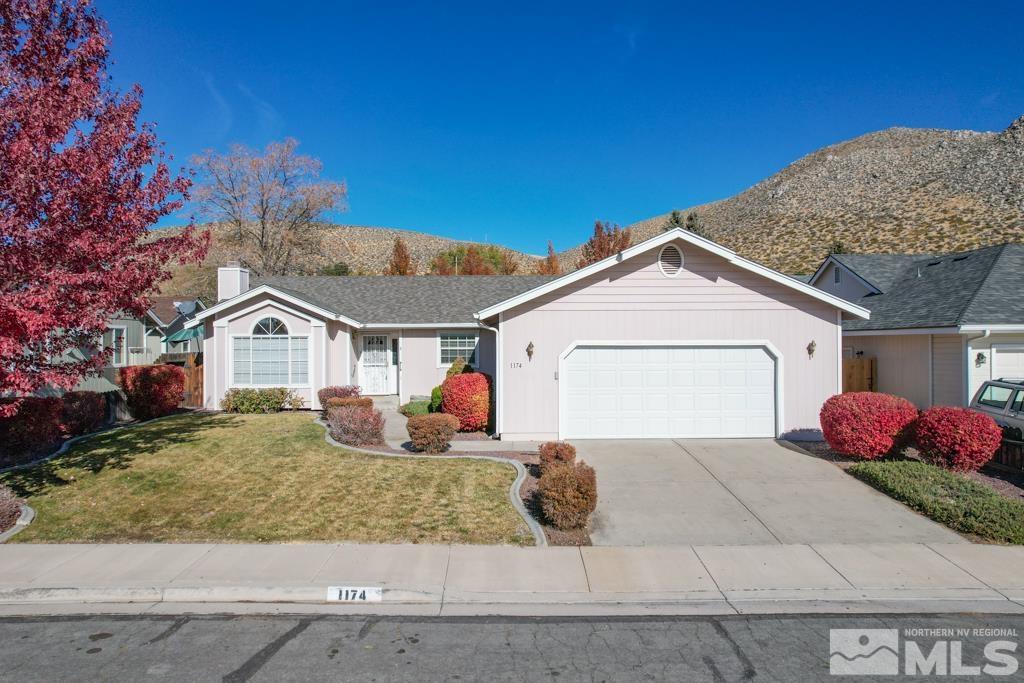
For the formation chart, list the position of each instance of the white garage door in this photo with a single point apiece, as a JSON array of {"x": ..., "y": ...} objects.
[
  {"x": 1008, "y": 362},
  {"x": 668, "y": 392}
]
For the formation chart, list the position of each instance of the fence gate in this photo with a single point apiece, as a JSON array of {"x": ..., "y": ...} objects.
[
  {"x": 858, "y": 374},
  {"x": 193, "y": 397}
]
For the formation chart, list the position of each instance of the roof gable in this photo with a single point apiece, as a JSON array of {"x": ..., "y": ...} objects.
[{"x": 658, "y": 241}]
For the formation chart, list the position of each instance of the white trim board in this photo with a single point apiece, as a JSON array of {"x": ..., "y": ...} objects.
[
  {"x": 772, "y": 350},
  {"x": 665, "y": 238},
  {"x": 271, "y": 291}
]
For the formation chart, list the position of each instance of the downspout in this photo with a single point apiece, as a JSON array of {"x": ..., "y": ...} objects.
[
  {"x": 967, "y": 364},
  {"x": 498, "y": 388}
]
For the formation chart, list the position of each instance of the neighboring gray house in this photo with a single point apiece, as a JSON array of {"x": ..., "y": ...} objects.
[{"x": 940, "y": 325}]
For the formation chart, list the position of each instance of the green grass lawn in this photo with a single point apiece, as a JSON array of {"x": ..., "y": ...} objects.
[
  {"x": 952, "y": 499},
  {"x": 255, "y": 478}
]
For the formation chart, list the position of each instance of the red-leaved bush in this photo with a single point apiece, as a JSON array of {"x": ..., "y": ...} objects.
[
  {"x": 34, "y": 430},
  {"x": 152, "y": 390},
  {"x": 356, "y": 425},
  {"x": 568, "y": 494},
  {"x": 327, "y": 393},
  {"x": 866, "y": 424},
  {"x": 84, "y": 412},
  {"x": 468, "y": 397},
  {"x": 957, "y": 439}
]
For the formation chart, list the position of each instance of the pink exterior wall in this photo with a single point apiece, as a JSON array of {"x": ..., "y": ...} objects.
[
  {"x": 947, "y": 370},
  {"x": 901, "y": 363},
  {"x": 709, "y": 300}
]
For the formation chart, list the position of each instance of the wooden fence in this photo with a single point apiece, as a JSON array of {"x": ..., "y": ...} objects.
[
  {"x": 1010, "y": 456},
  {"x": 858, "y": 374},
  {"x": 193, "y": 397}
]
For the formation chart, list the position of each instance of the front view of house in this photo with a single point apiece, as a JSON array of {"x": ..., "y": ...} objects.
[{"x": 674, "y": 337}]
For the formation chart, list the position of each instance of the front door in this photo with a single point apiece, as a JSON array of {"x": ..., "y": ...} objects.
[{"x": 375, "y": 362}]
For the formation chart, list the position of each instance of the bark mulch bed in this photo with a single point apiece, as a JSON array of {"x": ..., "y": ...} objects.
[
  {"x": 470, "y": 436},
  {"x": 1009, "y": 484}
]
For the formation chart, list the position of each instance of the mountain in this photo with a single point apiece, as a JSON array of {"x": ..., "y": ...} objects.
[{"x": 897, "y": 190}]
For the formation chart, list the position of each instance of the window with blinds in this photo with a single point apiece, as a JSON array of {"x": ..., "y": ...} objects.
[
  {"x": 270, "y": 356},
  {"x": 458, "y": 345}
]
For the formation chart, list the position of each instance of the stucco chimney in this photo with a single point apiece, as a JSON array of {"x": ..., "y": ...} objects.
[{"x": 232, "y": 280}]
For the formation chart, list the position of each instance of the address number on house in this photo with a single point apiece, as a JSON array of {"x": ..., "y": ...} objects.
[{"x": 355, "y": 594}]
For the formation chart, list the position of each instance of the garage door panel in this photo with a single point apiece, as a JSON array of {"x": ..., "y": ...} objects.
[
  {"x": 1008, "y": 363},
  {"x": 658, "y": 392}
]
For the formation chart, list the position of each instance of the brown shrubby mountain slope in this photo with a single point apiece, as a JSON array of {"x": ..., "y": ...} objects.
[{"x": 897, "y": 190}]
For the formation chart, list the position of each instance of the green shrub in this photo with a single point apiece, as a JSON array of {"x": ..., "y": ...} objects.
[
  {"x": 436, "y": 398},
  {"x": 432, "y": 433},
  {"x": 269, "y": 400},
  {"x": 413, "y": 408},
  {"x": 949, "y": 498},
  {"x": 458, "y": 367},
  {"x": 568, "y": 494}
]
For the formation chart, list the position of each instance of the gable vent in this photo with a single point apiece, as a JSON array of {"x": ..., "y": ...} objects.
[{"x": 670, "y": 260}]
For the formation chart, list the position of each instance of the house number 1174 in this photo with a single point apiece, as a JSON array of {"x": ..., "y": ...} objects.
[{"x": 515, "y": 364}]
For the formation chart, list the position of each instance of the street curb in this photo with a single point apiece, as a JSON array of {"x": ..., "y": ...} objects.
[
  {"x": 24, "y": 519},
  {"x": 513, "y": 493}
]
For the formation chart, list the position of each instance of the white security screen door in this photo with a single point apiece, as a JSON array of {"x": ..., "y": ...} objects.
[
  {"x": 638, "y": 392},
  {"x": 375, "y": 362}
]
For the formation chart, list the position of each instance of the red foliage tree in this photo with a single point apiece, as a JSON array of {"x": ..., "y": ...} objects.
[
  {"x": 401, "y": 262},
  {"x": 441, "y": 266},
  {"x": 475, "y": 264},
  {"x": 606, "y": 241},
  {"x": 80, "y": 184},
  {"x": 549, "y": 265}
]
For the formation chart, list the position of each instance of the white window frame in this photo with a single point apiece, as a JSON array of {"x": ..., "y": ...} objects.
[
  {"x": 290, "y": 384},
  {"x": 445, "y": 333},
  {"x": 124, "y": 346}
]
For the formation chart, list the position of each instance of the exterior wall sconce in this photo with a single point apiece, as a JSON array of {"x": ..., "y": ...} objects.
[
  {"x": 810, "y": 349},
  {"x": 980, "y": 359},
  {"x": 529, "y": 350}
]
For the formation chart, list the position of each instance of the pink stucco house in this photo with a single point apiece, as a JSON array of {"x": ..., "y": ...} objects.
[{"x": 674, "y": 337}]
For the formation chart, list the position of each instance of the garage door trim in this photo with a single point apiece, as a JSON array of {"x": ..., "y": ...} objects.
[{"x": 772, "y": 350}]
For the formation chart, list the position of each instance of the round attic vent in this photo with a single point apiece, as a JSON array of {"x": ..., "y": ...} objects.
[{"x": 670, "y": 260}]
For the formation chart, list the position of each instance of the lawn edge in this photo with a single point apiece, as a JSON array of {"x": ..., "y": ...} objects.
[{"x": 539, "y": 537}]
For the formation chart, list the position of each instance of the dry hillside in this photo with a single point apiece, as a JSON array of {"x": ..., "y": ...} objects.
[{"x": 898, "y": 190}]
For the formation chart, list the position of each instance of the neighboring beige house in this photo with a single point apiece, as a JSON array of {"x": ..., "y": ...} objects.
[
  {"x": 673, "y": 337},
  {"x": 940, "y": 325}
]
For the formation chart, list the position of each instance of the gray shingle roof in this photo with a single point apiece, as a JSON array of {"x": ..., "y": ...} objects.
[
  {"x": 980, "y": 287},
  {"x": 412, "y": 300},
  {"x": 881, "y": 270}
]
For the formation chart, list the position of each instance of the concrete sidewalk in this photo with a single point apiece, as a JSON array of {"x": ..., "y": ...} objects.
[{"x": 454, "y": 580}]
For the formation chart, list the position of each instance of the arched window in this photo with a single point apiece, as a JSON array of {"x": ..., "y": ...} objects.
[
  {"x": 270, "y": 327},
  {"x": 270, "y": 357}
]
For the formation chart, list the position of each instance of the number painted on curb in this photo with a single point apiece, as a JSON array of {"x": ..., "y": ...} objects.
[{"x": 355, "y": 594}]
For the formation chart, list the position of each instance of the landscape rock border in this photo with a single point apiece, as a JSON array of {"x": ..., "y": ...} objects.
[{"x": 513, "y": 493}]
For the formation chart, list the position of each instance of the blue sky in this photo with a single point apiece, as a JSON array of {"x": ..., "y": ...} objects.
[{"x": 517, "y": 123}]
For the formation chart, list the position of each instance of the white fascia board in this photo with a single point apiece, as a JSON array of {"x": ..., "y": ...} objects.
[
  {"x": 830, "y": 259},
  {"x": 269, "y": 289},
  {"x": 901, "y": 331},
  {"x": 657, "y": 241},
  {"x": 992, "y": 328},
  {"x": 418, "y": 326}
]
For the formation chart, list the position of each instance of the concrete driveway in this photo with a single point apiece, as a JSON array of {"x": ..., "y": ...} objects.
[{"x": 739, "y": 492}]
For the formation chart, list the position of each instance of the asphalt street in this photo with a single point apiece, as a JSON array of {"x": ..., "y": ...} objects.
[{"x": 275, "y": 648}]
